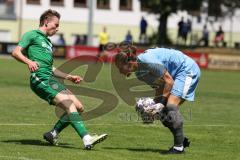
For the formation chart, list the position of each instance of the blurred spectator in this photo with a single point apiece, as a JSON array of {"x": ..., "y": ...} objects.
[
  {"x": 189, "y": 30},
  {"x": 186, "y": 28},
  {"x": 184, "y": 32},
  {"x": 205, "y": 37},
  {"x": 80, "y": 40},
  {"x": 103, "y": 40},
  {"x": 189, "y": 25},
  {"x": 180, "y": 26},
  {"x": 183, "y": 29},
  {"x": 61, "y": 40},
  {"x": 77, "y": 40},
  {"x": 128, "y": 37},
  {"x": 143, "y": 30},
  {"x": 219, "y": 37}
]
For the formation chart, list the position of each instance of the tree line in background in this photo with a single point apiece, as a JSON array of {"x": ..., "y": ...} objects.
[{"x": 164, "y": 8}]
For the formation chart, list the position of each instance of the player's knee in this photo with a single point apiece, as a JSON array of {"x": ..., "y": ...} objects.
[
  {"x": 171, "y": 117},
  {"x": 65, "y": 104}
]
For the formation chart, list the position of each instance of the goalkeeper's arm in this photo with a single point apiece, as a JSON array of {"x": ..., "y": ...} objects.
[{"x": 162, "y": 96}]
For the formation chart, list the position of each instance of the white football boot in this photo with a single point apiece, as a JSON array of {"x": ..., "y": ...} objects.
[{"x": 90, "y": 141}]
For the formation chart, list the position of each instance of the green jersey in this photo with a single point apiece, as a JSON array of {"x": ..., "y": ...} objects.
[{"x": 38, "y": 48}]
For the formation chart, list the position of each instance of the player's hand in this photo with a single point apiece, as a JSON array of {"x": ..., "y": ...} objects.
[
  {"x": 75, "y": 79},
  {"x": 32, "y": 66}
]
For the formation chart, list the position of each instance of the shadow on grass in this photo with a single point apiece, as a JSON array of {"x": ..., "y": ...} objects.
[
  {"x": 137, "y": 149},
  {"x": 38, "y": 143}
]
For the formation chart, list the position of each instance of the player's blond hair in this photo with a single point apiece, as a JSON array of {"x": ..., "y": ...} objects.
[{"x": 48, "y": 14}]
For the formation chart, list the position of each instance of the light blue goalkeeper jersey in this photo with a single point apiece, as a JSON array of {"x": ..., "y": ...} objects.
[{"x": 154, "y": 62}]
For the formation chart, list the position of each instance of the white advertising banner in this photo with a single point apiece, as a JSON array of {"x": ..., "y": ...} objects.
[{"x": 224, "y": 62}]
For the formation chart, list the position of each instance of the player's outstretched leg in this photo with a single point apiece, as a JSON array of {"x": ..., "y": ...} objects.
[
  {"x": 88, "y": 140},
  {"x": 65, "y": 100}
]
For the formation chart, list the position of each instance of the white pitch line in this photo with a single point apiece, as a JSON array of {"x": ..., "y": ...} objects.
[
  {"x": 212, "y": 125},
  {"x": 18, "y": 158},
  {"x": 122, "y": 124},
  {"x": 24, "y": 124}
]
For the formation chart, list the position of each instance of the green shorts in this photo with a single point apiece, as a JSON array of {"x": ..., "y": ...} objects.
[{"x": 46, "y": 87}]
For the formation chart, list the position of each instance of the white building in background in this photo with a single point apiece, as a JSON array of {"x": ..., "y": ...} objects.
[{"x": 119, "y": 16}]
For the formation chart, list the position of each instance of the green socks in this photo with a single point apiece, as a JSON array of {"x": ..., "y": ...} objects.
[
  {"x": 62, "y": 123},
  {"x": 75, "y": 120},
  {"x": 77, "y": 124}
]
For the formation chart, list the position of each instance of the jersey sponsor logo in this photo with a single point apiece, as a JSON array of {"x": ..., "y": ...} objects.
[{"x": 48, "y": 46}]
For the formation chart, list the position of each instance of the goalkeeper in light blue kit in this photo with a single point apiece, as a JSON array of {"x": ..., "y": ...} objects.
[{"x": 178, "y": 74}]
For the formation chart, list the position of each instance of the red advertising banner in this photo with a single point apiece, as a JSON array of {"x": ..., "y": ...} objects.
[
  {"x": 200, "y": 58},
  {"x": 82, "y": 52}
]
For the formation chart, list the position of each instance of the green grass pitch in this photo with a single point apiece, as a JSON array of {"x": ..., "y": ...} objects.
[{"x": 212, "y": 122}]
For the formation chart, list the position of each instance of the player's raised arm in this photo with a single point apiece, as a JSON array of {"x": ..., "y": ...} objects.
[
  {"x": 74, "y": 78},
  {"x": 18, "y": 55}
]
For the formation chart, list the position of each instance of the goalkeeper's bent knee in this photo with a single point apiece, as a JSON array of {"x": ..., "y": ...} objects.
[{"x": 171, "y": 117}]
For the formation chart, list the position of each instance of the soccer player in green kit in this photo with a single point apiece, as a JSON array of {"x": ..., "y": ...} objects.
[{"x": 35, "y": 50}]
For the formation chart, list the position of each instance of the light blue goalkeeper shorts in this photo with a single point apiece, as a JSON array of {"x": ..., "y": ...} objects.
[{"x": 185, "y": 83}]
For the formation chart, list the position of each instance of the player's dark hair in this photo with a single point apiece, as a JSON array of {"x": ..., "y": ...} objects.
[
  {"x": 125, "y": 55},
  {"x": 48, "y": 14}
]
